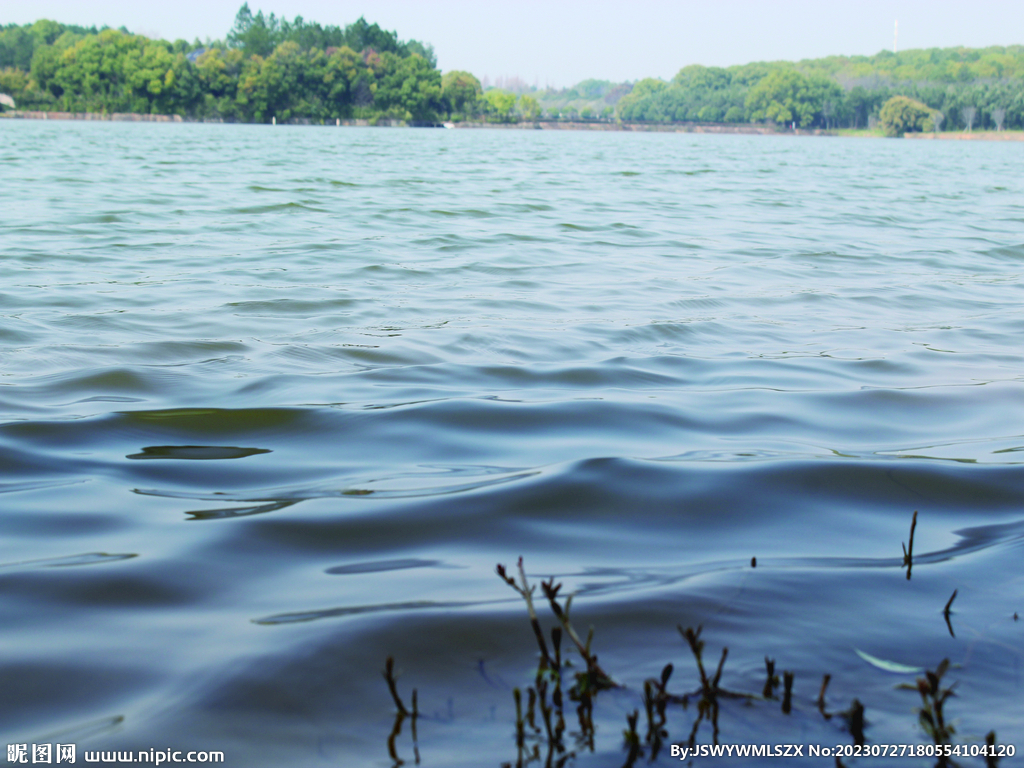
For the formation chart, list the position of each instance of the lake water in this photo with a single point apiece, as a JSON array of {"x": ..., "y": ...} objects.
[{"x": 274, "y": 402}]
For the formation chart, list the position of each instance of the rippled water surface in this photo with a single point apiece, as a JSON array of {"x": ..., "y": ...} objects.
[{"x": 274, "y": 402}]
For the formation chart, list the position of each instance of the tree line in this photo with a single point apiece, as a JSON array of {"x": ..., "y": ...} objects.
[
  {"x": 266, "y": 68},
  {"x": 970, "y": 88},
  {"x": 269, "y": 68}
]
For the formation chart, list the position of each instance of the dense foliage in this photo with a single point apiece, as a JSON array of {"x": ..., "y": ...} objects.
[
  {"x": 269, "y": 68},
  {"x": 265, "y": 69},
  {"x": 260, "y": 35},
  {"x": 842, "y": 91},
  {"x": 900, "y": 115}
]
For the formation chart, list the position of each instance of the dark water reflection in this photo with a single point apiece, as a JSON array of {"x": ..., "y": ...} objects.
[
  {"x": 273, "y": 404},
  {"x": 195, "y": 452}
]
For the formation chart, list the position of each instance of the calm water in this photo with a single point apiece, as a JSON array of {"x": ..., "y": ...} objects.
[{"x": 274, "y": 402}]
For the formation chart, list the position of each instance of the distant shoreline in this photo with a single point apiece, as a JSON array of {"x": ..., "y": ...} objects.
[
  {"x": 758, "y": 129},
  {"x": 753, "y": 129},
  {"x": 980, "y": 136},
  {"x": 559, "y": 125},
  {"x": 127, "y": 117},
  {"x": 544, "y": 125}
]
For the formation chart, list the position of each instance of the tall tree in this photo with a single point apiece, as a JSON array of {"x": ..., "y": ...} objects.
[
  {"x": 901, "y": 115},
  {"x": 256, "y": 35},
  {"x": 460, "y": 92},
  {"x": 786, "y": 96},
  {"x": 968, "y": 113}
]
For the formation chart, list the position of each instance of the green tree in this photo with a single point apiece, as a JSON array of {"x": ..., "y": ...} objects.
[
  {"x": 217, "y": 72},
  {"x": 901, "y": 114},
  {"x": 13, "y": 83},
  {"x": 348, "y": 82},
  {"x": 152, "y": 70},
  {"x": 46, "y": 32},
  {"x": 47, "y": 59},
  {"x": 360, "y": 35},
  {"x": 498, "y": 105},
  {"x": 16, "y": 47},
  {"x": 784, "y": 96},
  {"x": 641, "y": 103},
  {"x": 460, "y": 92},
  {"x": 310, "y": 35},
  {"x": 90, "y": 75},
  {"x": 529, "y": 109},
  {"x": 256, "y": 35},
  {"x": 827, "y": 97},
  {"x": 408, "y": 88},
  {"x": 861, "y": 103},
  {"x": 117, "y": 72},
  {"x": 735, "y": 115},
  {"x": 425, "y": 50},
  {"x": 45, "y": 63},
  {"x": 707, "y": 78},
  {"x": 269, "y": 87}
]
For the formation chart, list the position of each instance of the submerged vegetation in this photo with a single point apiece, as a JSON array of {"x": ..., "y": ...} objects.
[
  {"x": 554, "y": 716},
  {"x": 268, "y": 68}
]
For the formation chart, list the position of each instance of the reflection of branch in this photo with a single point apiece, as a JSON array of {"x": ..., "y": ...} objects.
[
  {"x": 415, "y": 715},
  {"x": 787, "y": 692},
  {"x": 854, "y": 717},
  {"x": 220, "y": 514},
  {"x": 946, "y": 612},
  {"x": 395, "y": 731},
  {"x": 632, "y": 740},
  {"x": 991, "y": 760},
  {"x": 389, "y": 676},
  {"x": 908, "y": 550},
  {"x": 401, "y": 714},
  {"x": 773, "y": 680},
  {"x": 655, "y": 700},
  {"x": 821, "y": 697}
]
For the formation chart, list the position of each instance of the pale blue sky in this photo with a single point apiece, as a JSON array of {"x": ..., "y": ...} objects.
[{"x": 560, "y": 43}]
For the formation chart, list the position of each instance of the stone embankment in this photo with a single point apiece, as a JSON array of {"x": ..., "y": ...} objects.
[
  {"x": 545, "y": 125},
  {"x": 127, "y": 117},
  {"x": 760, "y": 129},
  {"x": 130, "y": 117}
]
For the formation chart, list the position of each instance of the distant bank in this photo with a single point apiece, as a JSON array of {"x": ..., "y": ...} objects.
[
  {"x": 759, "y": 129},
  {"x": 126, "y": 117},
  {"x": 769, "y": 129},
  {"x": 274, "y": 70},
  {"x": 979, "y": 136}
]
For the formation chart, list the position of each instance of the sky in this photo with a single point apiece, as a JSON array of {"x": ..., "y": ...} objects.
[{"x": 557, "y": 43}]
